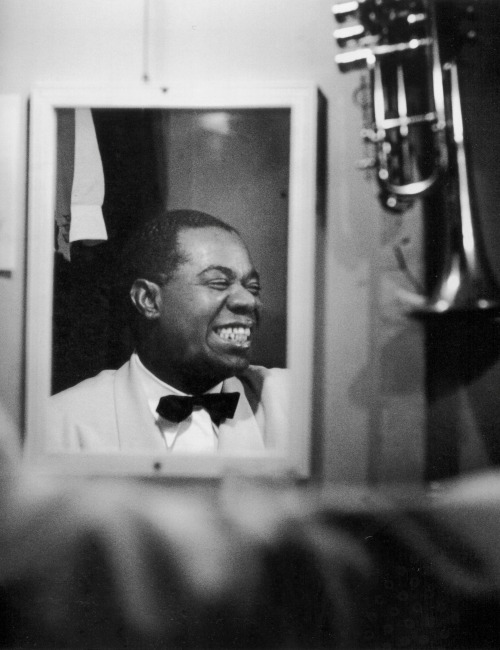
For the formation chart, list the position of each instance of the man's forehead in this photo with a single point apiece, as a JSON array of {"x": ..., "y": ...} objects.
[
  {"x": 192, "y": 236},
  {"x": 212, "y": 247}
]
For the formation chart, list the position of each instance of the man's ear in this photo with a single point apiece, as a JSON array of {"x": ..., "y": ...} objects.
[{"x": 146, "y": 298}]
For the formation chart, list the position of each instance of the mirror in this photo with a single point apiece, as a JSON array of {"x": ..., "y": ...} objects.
[{"x": 246, "y": 155}]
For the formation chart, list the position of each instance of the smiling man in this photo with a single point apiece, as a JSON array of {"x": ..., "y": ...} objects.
[{"x": 189, "y": 387}]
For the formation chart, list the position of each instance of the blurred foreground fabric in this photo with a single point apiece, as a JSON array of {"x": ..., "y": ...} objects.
[{"x": 247, "y": 564}]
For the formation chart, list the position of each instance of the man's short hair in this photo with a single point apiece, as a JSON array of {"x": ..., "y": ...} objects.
[{"x": 153, "y": 247}]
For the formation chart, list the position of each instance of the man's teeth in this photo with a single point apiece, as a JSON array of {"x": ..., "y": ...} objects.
[{"x": 235, "y": 334}]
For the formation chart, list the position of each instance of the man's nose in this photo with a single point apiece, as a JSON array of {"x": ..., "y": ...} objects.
[{"x": 241, "y": 299}]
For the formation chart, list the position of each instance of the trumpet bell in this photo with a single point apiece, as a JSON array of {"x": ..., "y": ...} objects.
[{"x": 466, "y": 285}]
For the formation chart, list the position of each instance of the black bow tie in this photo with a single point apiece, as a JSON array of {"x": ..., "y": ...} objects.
[{"x": 179, "y": 407}]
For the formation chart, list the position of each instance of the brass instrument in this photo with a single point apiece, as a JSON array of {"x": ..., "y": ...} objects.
[{"x": 417, "y": 131}]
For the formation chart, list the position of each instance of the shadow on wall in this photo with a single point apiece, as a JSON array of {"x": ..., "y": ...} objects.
[{"x": 400, "y": 370}]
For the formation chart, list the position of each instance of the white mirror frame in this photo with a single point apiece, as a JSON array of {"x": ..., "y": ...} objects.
[{"x": 303, "y": 102}]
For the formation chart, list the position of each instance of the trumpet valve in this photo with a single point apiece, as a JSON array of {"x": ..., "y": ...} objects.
[
  {"x": 345, "y": 35},
  {"x": 345, "y": 10},
  {"x": 355, "y": 59}
]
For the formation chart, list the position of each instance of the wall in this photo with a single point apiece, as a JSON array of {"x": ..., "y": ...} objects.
[{"x": 56, "y": 42}]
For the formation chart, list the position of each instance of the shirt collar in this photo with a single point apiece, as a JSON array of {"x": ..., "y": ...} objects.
[{"x": 156, "y": 388}]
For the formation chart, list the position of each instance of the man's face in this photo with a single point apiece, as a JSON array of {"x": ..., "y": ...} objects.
[{"x": 209, "y": 308}]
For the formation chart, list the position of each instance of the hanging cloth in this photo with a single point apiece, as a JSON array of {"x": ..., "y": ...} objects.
[
  {"x": 80, "y": 181},
  {"x": 87, "y": 194}
]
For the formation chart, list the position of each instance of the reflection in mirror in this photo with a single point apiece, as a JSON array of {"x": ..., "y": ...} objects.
[
  {"x": 232, "y": 164},
  {"x": 123, "y": 329}
]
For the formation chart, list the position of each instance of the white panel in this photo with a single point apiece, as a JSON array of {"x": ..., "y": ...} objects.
[{"x": 10, "y": 189}]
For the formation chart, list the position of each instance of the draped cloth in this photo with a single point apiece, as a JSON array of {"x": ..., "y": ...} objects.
[
  {"x": 87, "y": 194},
  {"x": 80, "y": 181}
]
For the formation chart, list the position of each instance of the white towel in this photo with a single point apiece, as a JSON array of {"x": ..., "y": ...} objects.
[{"x": 87, "y": 194}]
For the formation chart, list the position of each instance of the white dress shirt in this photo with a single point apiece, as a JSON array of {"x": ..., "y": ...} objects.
[{"x": 196, "y": 434}]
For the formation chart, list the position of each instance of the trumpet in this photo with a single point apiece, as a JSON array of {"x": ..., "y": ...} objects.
[{"x": 416, "y": 128}]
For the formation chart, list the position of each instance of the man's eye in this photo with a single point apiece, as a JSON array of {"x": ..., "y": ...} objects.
[
  {"x": 219, "y": 285},
  {"x": 254, "y": 289}
]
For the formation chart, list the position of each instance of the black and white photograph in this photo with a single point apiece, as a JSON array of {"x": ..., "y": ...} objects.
[{"x": 250, "y": 325}]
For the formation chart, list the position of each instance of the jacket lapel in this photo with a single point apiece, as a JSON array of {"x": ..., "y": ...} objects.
[
  {"x": 137, "y": 430},
  {"x": 242, "y": 432}
]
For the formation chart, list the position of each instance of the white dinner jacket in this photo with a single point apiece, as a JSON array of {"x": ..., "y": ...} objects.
[{"x": 109, "y": 413}]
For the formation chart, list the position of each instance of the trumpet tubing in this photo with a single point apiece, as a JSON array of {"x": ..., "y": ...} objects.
[{"x": 416, "y": 129}]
